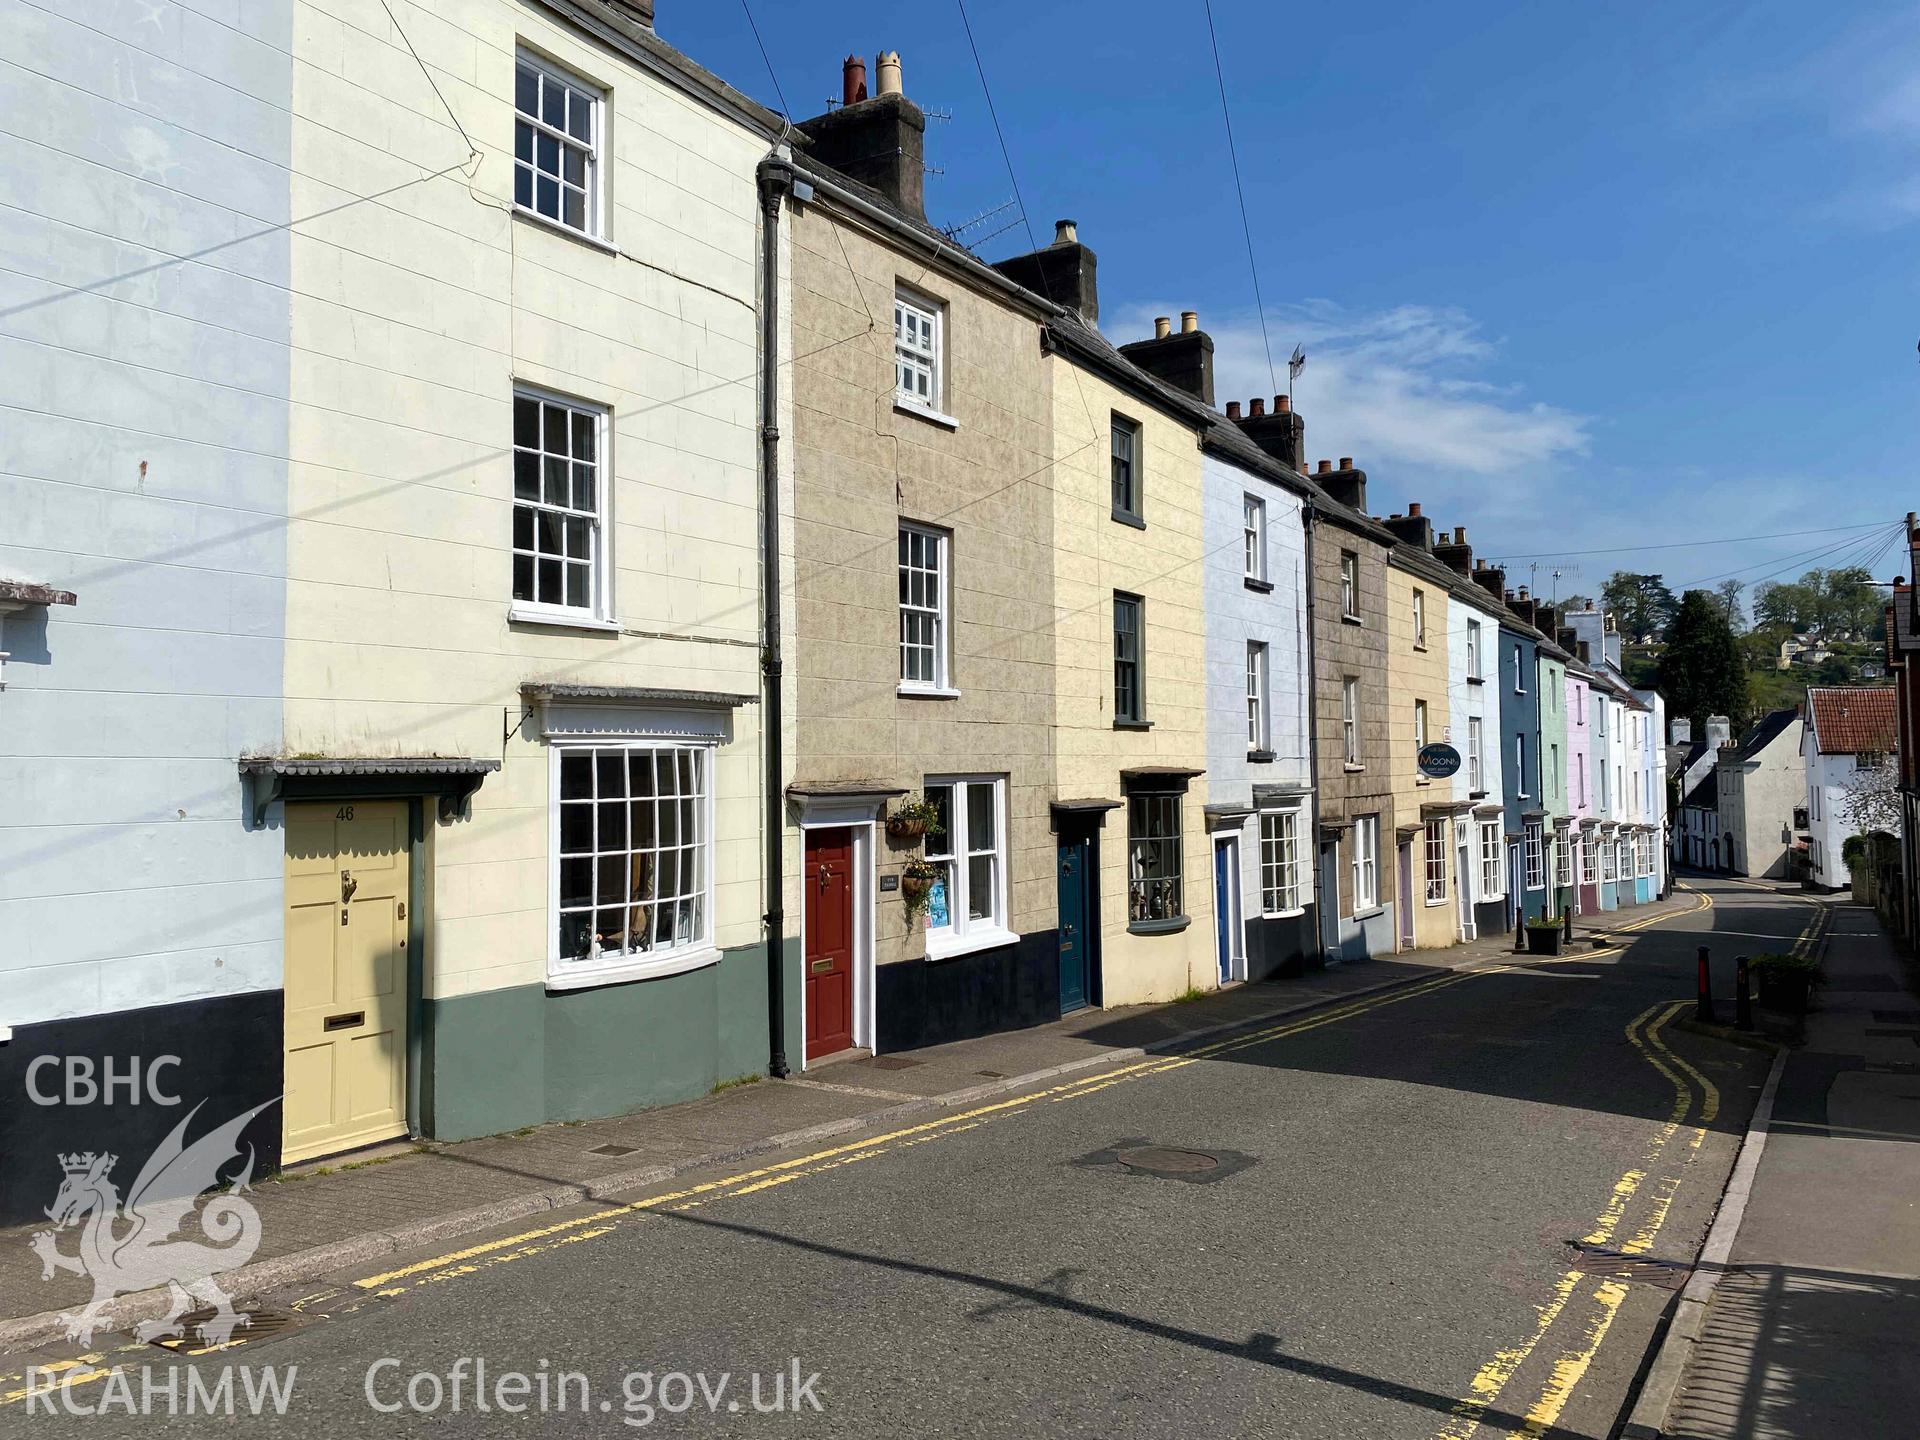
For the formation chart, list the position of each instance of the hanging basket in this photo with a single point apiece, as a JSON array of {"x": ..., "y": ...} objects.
[
  {"x": 916, "y": 887},
  {"x": 906, "y": 827}
]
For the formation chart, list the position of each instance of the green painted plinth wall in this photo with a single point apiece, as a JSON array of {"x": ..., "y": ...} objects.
[{"x": 511, "y": 1058}]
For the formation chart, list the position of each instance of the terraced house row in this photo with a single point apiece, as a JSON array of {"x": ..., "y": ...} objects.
[{"x": 539, "y": 593}]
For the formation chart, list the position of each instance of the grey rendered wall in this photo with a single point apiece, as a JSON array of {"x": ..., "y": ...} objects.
[{"x": 143, "y": 423}]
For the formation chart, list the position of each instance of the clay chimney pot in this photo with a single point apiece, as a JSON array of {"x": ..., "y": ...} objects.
[
  {"x": 1233, "y": 409},
  {"x": 1413, "y": 509},
  {"x": 1189, "y": 321},
  {"x": 1346, "y": 462},
  {"x": 1066, "y": 232},
  {"x": 853, "y": 80},
  {"x": 888, "y": 65},
  {"x": 1256, "y": 407},
  {"x": 1162, "y": 327},
  {"x": 1283, "y": 404},
  {"x": 1326, "y": 467}
]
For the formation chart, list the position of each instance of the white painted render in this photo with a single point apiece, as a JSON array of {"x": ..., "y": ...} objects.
[
  {"x": 1830, "y": 784},
  {"x": 413, "y": 319},
  {"x": 1470, "y": 698},
  {"x": 144, "y": 370}
]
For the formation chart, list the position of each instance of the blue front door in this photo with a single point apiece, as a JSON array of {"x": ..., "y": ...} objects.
[
  {"x": 1076, "y": 924},
  {"x": 1222, "y": 913}
]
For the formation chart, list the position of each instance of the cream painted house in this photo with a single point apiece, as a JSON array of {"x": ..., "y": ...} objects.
[
  {"x": 521, "y": 753},
  {"x": 1426, "y": 855},
  {"x": 1130, "y": 686}
]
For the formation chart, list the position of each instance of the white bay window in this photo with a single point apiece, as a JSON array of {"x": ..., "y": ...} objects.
[{"x": 967, "y": 846}]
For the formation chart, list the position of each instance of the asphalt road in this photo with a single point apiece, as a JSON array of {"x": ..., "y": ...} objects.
[{"x": 1380, "y": 1247}]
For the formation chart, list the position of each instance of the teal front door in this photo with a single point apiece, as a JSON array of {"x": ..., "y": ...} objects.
[{"x": 1077, "y": 927}]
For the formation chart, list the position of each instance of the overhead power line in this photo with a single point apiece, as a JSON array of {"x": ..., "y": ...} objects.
[
  {"x": 1246, "y": 226},
  {"x": 1685, "y": 544}
]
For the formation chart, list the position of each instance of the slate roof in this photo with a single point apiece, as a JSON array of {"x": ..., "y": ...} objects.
[
  {"x": 1705, "y": 795},
  {"x": 1852, "y": 718},
  {"x": 1763, "y": 734}
]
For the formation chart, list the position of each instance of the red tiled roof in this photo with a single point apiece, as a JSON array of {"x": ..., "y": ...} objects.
[{"x": 1849, "y": 720}]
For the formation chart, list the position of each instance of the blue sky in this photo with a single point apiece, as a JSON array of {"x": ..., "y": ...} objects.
[{"x": 1576, "y": 278}]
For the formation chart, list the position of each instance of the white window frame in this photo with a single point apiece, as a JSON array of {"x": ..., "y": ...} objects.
[
  {"x": 1520, "y": 766},
  {"x": 1350, "y": 718},
  {"x": 940, "y": 611},
  {"x": 568, "y": 972},
  {"x": 1258, "y": 731},
  {"x": 1366, "y": 863},
  {"x": 962, "y": 934},
  {"x": 1473, "y": 651},
  {"x": 1563, "y": 861},
  {"x": 1434, "y": 857},
  {"x": 1419, "y": 618},
  {"x": 1519, "y": 669},
  {"x": 1419, "y": 728},
  {"x": 597, "y": 613},
  {"x": 1349, "y": 585},
  {"x": 1553, "y": 769},
  {"x": 1534, "y": 847},
  {"x": 1589, "y": 874},
  {"x": 1493, "y": 862},
  {"x": 1253, "y": 530},
  {"x": 536, "y": 128},
  {"x": 1476, "y": 758},
  {"x": 1281, "y": 892},
  {"x": 915, "y": 359},
  {"x": 1609, "y": 862}
]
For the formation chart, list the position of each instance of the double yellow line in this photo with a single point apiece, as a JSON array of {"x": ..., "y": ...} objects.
[{"x": 1643, "y": 1032}]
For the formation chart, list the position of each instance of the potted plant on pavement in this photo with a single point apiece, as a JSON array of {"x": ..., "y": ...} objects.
[
  {"x": 1544, "y": 936},
  {"x": 1785, "y": 980},
  {"x": 913, "y": 818}
]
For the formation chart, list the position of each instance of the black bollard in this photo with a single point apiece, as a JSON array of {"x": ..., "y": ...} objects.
[
  {"x": 1742, "y": 1000},
  {"x": 1566, "y": 923},
  {"x": 1703, "y": 1011}
]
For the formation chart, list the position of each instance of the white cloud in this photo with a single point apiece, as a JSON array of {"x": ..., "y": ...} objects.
[{"x": 1400, "y": 387}]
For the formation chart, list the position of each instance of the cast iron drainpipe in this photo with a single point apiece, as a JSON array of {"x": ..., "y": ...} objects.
[
  {"x": 1313, "y": 739},
  {"x": 776, "y": 179}
]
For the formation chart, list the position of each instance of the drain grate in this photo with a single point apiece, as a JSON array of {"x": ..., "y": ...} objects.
[
  {"x": 261, "y": 1326},
  {"x": 611, "y": 1149},
  {"x": 1138, "y": 1156},
  {"x": 893, "y": 1062},
  {"x": 1598, "y": 1260}
]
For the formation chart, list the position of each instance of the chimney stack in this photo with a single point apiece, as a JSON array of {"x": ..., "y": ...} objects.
[
  {"x": 1492, "y": 579},
  {"x": 1412, "y": 528},
  {"x": 1680, "y": 730},
  {"x": 1281, "y": 434},
  {"x": 1184, "y": 361},
  {"x": 1719, "y": 732},
  {"x": 878, "y": 141},
  {"x": 1455, "y": 553},
  {"x": 1067, "y": 273},
  {"x": 1345, "y": 483}
]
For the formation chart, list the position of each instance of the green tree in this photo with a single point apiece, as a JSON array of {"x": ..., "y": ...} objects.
[
  {"x": 1727, "y": 592},
  {"x": 1792, "y": 606},
  {"x": 1702, "y": 672},
  {"x": 1641, "y": 605}
]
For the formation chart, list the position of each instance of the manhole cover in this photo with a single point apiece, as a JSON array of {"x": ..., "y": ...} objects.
[
  {"x": 612, "y": 1149},
  {"x": 1140, "y": 1156},
  {"x": 260, "y": 1326},
  {"x": 1597, "y": 1260},
  {"x": 1165, "y": 1160}
]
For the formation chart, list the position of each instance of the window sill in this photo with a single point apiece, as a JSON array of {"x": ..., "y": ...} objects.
[
  {"x": 1264, "y": 587},
  {"x": 566, "y": 232},
  {"x": 1369, "y": 913},
  {"x": 1133, "y": 724},
  {"x": 1351, "y": 620},
  {"x": 1292, "y": 914},
  {"x": 1436, "y": 904},
  {"x": 971, "y": 943},
  {"x": 1259, "y": 757},
  {"x": 1476, "y": 679},
  {"x": 1127, "y": 517},
  {"x": 522, "y": 613},
  {"x": 1160, "y": 927},
  {"x": 927, "y": 692},
  {"x": 562, "y": 975},
  {"x": 903, "y": 406},
  {"x": 1354, "y": 768},
  {"x": 1422, "y": 780},
  {"x": 1421, "y": 646}
]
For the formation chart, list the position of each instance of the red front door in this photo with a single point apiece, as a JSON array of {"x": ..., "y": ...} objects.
[{"x": 829, "y": 941}]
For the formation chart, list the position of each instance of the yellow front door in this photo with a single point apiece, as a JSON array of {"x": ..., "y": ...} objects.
[{"x": 346, "y": 976}]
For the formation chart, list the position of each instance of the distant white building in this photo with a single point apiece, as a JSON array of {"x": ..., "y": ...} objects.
[{"x": 1848, "y": 737}]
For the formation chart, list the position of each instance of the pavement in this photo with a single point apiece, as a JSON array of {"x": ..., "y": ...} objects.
[
  {"x": 1807, "y": 1328},
  {"x": 1441, "y": 1199}
]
